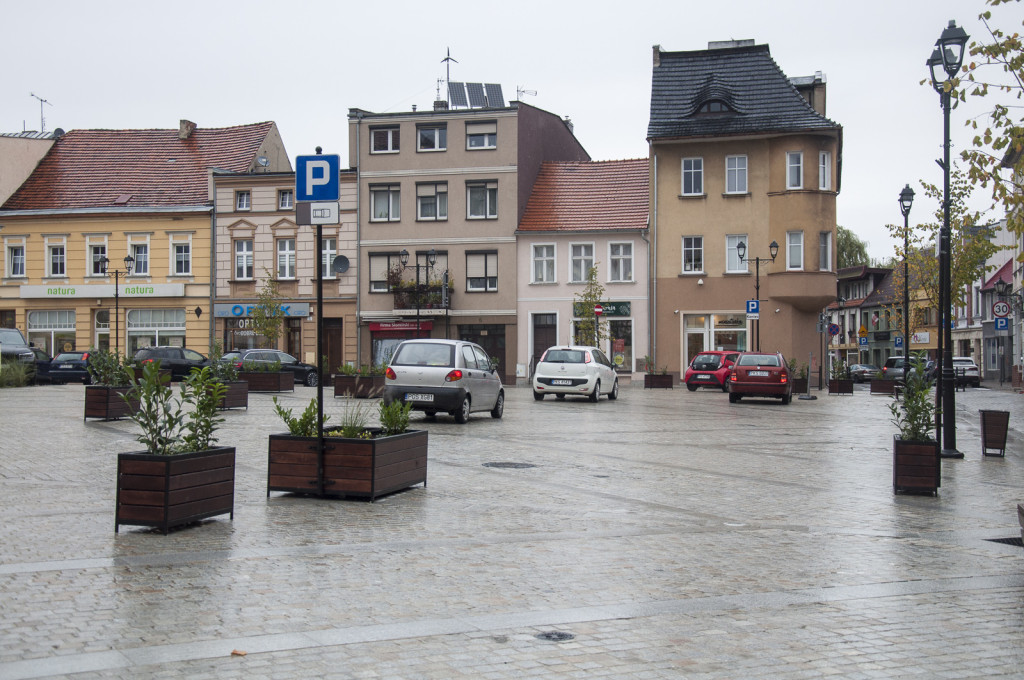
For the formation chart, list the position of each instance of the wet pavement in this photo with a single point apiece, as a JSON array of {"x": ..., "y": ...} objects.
[{"x": 668, "y": 534}]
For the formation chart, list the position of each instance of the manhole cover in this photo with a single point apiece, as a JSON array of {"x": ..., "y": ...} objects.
[
  {"x": 554, "y": 636},
  {"x": 1014, "y": 540},
  {"x": 512, "y": 466}
]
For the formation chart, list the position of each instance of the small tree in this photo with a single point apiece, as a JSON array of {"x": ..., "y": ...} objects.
[
  {"x": 589, "y": 328},
  {"x": 267, "y": 313},
  {"x": 850, "y": 250}
]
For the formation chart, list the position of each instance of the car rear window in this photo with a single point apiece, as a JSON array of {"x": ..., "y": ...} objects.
[
  {"x": 425, "y": 354},
  {"x": 759, "y": 360},
  {"x": 706, "y": 362},
  {"x": 69, "y": 356},
  {"x": 564, "y": 356}
]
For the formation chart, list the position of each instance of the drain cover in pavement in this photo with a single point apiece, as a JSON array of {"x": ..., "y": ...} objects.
[
  {"x": 512, "y": 466},
  {"x": 555, "y": 636}
]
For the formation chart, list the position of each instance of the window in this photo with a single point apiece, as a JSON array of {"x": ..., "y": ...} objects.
[
  {"x": 243, "y": 200},
  {"x": 794, "y": 250},
  {"x": 581, "y": 261},
  {"x": 16, "y": 261},
  {"x": 97, "y": 254},
  {"x": 693, "y": 254},
  {"x": 182, "y": 259},
  {"x": 715, "y": 106},
  {"x": 825, "y": 251},
  {"x": 329, "y": 249},
  {"x": 824, "y": 170},
  {"x": 286, "y": 258},
  {"x": 795, "y": 170},
  {"x": 481, "y": 136},
  {"x": 432, "y": 138},
  {"x": 735, "y": 174},
  {"x": 380, "y": 265},
  {"x": 544, "y": 263},
  {"x": 620, "y": 261},
  {"x": 243, "y": 259},
  {"x": 285, "y": 199},
  {"x": 482, "y": 200},
  {"x": 432, "y": 201},
  {"x": 384, "y": 140},
  {"x": 693, "y": 176},
  {"x": 733, "y": 263},
  {"x": 482, "y": 271},
  {"x": 386, "y": 202},
  {"x": 140, "y": 251},
  {"x": 55, "y": 257}
]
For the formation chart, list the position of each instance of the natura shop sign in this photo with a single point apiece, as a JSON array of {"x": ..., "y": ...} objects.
[{"x": 103, "y": 290}]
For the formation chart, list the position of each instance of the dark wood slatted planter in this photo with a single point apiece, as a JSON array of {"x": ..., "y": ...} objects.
[
  {"x": 658, "y": 381},
  {"x": 358, "y": 386},
  {"x": 840, "y": 386},
  {"x": 879, "y": 386},
  {"x": 169, "y": 491},
  {"x": 916, "y": 466},
  {"x": 237, "y": 395},
  {"x": 358, "y": 468},
  {"x": 993, "y": 431},
  {"x": 282, "y": 381},
  {"x": 106, "y": 403}
]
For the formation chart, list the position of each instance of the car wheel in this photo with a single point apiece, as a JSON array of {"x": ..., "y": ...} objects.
[
  {"x": 786, "y": 398},
  {"x": 596, "y": 394},
  {"x": 560, "y": 397},
  {"x": 725, "y": 387},
  {"x": 430, "y": 415},
  {"x": 538, "y": 396},
  {"x": 614, "y": 394},
  {"x": 499, "y": 405},
  {"x": 311, "y": 379},
  {"x": 733, "y": 398},
  {"x": 462, "y": 415},
  {"x": 692, "y": 388}
]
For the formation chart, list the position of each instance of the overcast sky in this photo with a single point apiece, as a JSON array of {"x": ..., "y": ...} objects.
[{"x": 303, "y": 64}]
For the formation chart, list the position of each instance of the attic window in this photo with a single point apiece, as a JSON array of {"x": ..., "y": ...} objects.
[{"x": 713, "y": 107}]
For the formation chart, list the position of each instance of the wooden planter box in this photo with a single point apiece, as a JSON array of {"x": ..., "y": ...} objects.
[
  {"x": 281, "y": 381},
  {"x": 840, "y": 386},
  {"x": 881, "y": 386},
  {"x": 360, "y": 468},
  {"x": 799, "y": 385},
  {"x": 237, "y": 395},
  {"x": 658, "y": 380},
  {"x": 993, "y": 431},
  {"x": 916, "y": 466},
  {"x": 169, "y": 491},
  {"x": 359, "y": 386},
  {"x": 106, "y": 403}
]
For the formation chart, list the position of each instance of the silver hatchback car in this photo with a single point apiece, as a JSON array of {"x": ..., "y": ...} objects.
[
  {"x": 575, "y": 369},
  {"x": 454, "y": 376}
]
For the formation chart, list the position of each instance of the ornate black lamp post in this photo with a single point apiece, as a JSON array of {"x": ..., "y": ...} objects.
[
  {"x": 944, "y": 65},
  {"x": 741, "y": 250},
  {"x": 129, "y": 264},
  {"x": 906, "y": 200},
  {"x": 403, "y": 257}
]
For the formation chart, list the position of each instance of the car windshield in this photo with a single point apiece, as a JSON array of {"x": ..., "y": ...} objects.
[
  {"x": 10, "y": 336},
  {"x": 706, "y": 362},
  {"x": 759, "y": 360},
  {"x": 424, "y": 354},
  {"x": 564, "y": 356}
]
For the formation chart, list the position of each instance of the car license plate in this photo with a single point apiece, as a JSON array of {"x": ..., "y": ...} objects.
[
  {"x": 758, "y": 374},
  {"x": 65, "y": 366},
  {"x": 703, "y": 377},
  {"x": 561, "y": 382},
  {"x": 413, "y": 396}
]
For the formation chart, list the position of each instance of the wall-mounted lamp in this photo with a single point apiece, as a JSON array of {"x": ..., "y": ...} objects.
[
  {"x": 676, "y": 312},
  {"x": 99, "y": 302},
  {"x": 199, "y": 312},
  {"x": 700, "y": 282}
]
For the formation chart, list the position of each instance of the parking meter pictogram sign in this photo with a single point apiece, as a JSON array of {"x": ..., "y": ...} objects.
[{"x": 316, "y": 177}]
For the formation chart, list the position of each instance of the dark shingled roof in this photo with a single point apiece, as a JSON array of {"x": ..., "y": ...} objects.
[{"x": 745, "y": 78}]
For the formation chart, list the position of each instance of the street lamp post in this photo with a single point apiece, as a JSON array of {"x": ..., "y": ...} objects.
[
  {"x": 1004, "y": 291},
  {"x": 129, "y": 264},
  {"x": 946, "y": 59},
  {"x": 906, "y": 200},
  {"x": 431, "y": 260},
  {"x": 741, "y": 250}
]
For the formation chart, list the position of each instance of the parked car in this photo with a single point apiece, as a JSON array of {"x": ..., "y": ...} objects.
[
  {"x": 70, "y": 367},
  {"x": 179, "y": 360},
  {"x": 452, "y": 376},
  {"x": 305, "y": 374},
  {"x": 760, "y": 374},
  {"x": 42, "y": 366},
  {"x": 966, "y": 372},
  {"x": 894, "y": 367},
  {"x": 862, "y": 372},
  {"x": 709, "y": 369},
  {"x": 575, "y": 369},
  {"x": 14, "y": 347}
]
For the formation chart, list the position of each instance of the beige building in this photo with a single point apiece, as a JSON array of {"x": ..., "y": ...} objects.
[
  {"x": 741, "y": 157},
  {"x": 20, "y": 153}
]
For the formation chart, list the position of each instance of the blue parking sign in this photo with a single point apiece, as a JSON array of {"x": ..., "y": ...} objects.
[
  {"x": 317, "y": 177},
  {"x": 899, "y": 342},
  {"x": 753, "y": 306},
  {"x": 1002, "y": 323}
]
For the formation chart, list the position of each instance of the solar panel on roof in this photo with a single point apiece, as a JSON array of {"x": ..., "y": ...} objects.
[
  {"x": 477, "y": 99},
  {"x": 457, "y": 94},
  {"x": 494, "y": 97}
]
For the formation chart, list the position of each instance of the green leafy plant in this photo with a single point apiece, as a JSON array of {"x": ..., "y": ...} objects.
[
  {"x": 112, "y": 369},
  {"x": 353, "y": 421},
  {"x": 13, "y": 374},
  {"x": 223, "y": 371},
  {"x": 305, "y": 424},
  {"x": 171, "y": 425},
  {"x": 204, "y": 392},
  {"x": 394, "y": 417},
  {"x": 348, "y": 369},
  {"x": 915, "y": 414},
  {"x": 838, "y": 370},
  {"x": 261, "y": 367}
]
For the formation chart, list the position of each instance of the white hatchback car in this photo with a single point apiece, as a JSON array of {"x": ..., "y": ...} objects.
[{"x": 575, "y": 369}]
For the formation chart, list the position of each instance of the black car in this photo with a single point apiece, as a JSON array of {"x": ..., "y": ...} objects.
[
  {"x": 179, "y": 360},
  {"x": 304, "y": 373},
  {"x": 70, "y": 367},
  {"x": 42, "y": 366}
]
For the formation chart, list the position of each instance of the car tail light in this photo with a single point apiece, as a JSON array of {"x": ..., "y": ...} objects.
[
  {"x": 732, "y": 376},
  {"x": 453, "y": 375},
  {"x": 85, "y": 356},
  {"x": 783, "y": 378},
  {"x": 238, "y": 364},
  {"x": 389, "y": 374}
]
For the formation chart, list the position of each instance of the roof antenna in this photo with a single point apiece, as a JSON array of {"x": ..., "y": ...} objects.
[
  {"x": 447, "y": 61},
  {"x": 520, "y": 92},
  {"x": 42, "y": 121}
]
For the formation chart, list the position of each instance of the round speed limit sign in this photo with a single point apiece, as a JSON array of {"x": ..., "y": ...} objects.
[{"x": 1001, "y": 308}]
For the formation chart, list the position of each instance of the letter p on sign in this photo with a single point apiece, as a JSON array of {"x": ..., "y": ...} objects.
[{"x": 316, "y": 177}]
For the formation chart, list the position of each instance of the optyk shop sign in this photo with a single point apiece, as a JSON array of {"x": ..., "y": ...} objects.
[{"x": 229, "y": 310}]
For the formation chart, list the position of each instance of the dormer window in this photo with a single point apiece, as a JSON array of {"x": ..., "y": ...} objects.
[{"x": 714, "y": 106}]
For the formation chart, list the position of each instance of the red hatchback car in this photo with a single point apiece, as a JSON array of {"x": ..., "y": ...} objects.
[
  {"x": 709, "y": 369},
  {"x": 760, "y": 374}
]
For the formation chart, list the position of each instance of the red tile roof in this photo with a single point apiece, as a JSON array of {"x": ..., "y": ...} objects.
[
  {"x": 589, "y": 196},
  {"x": 136, "y": 168}
]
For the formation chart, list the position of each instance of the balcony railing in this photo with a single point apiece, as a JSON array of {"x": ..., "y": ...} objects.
[{"x": 425, "y": 296}]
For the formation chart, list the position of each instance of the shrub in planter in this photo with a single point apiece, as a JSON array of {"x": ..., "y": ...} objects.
[
  {"x": 916, "y": 462},
  {"x": 112, "y": 376},
  {"x": 225, "y": 372}
]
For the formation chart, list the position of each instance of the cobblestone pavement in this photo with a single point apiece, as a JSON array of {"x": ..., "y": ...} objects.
[{"x": 670, "y": 534}]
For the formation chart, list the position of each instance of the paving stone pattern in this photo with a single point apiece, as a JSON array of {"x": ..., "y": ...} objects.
[{"x": 671, "y": 534}]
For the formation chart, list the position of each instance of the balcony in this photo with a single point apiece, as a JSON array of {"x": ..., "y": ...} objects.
[{"x": 428, "y": 297}]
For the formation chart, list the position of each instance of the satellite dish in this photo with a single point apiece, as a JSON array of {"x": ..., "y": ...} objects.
[
  {"x": 339, "y": 265},
  {"x": 263, "y": 161}
]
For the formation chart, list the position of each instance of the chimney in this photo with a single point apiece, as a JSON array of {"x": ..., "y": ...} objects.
[
  {"x": 568, "y": 123},
  {"x": 185, "y": 128}
]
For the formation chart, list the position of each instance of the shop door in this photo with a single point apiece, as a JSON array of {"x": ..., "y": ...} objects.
[
  {"x": 333, "y": 343},
  {"x": 545, "y": 334}
]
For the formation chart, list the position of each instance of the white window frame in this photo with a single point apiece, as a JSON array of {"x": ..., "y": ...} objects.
[
  {"x": 481, "y": 136},
  {"x": 824, "y": 171},
  {"x": 794, "y": 170},
  {"x": 284, "y": 247},
  {"x": 390, "y": 135},
  {"x": 736, "y": 174},
  {"x": 434, "y": 190},
  {"x": 733, "y": 263},
  {"x": 394, "y": 202},
  {"x": 488, "y": 261},
  {"x": 583, "y": 262},
  {"x": 181, "y": 244},
  {"x": 794, "y": 250},
  {"x": 53, "y": 245},
  {"x": 825, "y": 251},
  {"x": 286, "y": 199},
  {"x": 378, "y": 266},
  {"x": 327, "y": 254},
  {"x": 439, "y": 138},
  {"x": 620, "y": 264},
  {"x": 140, "y": 251},
  {"x": 694, "y": 171},
  {"x": 490, "y": 196},
  {"x": 14, "y": 264},
  {"x": 244, "y": 259},
  {"x": 696, "y": 246},
  {"x": 95, "y": 252},
  {"x": 243, "y": 200},
  {"x": 543, "y": 263}
]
